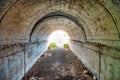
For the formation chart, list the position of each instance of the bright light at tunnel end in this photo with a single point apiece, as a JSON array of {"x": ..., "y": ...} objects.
[{"x": 59, "y": 37}]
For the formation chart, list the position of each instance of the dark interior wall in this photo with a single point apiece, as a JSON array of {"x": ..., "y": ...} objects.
[{"x": 93, "y": 26}]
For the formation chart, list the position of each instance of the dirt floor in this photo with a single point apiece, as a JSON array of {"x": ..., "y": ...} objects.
[{"x": 58, "y": 64}]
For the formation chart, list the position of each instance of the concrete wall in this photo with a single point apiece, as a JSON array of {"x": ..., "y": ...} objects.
[
  {"x": 93, "y": 26},
  {"x": 16, "y": 60},
  {"x": 102, "y": 60}
]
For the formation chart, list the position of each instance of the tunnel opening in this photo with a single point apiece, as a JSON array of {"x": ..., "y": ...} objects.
[{"x": 58, "y": 39}]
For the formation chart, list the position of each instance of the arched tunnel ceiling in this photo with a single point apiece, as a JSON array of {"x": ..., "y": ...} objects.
[
  {"x": 22, "y": 16},
  {"x": 58, "y": 15},
  {"x": 47, "y": 27},
  {"x": 61, "y": 15}
]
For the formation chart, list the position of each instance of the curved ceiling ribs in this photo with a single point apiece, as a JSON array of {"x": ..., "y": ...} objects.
[
  {"x": 6, "y": 10},
  {"x": 105, "y": 8},
  {"x": 57, "y": 14}
]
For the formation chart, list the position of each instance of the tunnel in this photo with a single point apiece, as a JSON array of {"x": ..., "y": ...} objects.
[{"x": 93, "y": 27}]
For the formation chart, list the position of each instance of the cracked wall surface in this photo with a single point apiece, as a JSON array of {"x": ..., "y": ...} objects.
[{"x": 93, "y": 27}]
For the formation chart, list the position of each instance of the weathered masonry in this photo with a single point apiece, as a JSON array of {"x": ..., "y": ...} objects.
[{"x": 93, "y": 27}]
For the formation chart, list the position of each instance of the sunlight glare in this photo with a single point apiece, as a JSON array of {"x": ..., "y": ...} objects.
[{"x": 59, "y": 37}]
